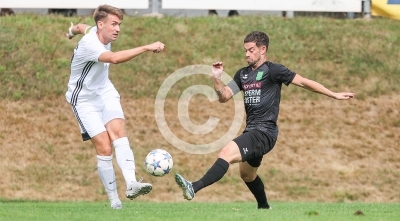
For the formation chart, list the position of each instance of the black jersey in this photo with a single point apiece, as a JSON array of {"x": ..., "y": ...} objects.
[{"x": 262, "y": 94}]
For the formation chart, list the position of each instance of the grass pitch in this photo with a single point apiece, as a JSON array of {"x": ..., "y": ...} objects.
[{"x": 43, "y": 211}]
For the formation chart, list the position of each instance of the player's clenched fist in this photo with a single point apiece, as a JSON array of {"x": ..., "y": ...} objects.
[
  {"x": 217, "y": 69},
  {"x": 156, "y": 47}
]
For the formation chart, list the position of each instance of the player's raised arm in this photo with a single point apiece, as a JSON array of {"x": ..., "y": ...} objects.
[
  {"x": 126, "y": 55},
  {"x": 224, "y": 92},
  {"x": 319, "y": 88},
  {"x": 77, "y": 29}
]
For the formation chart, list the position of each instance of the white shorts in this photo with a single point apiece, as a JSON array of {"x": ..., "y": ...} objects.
[{"x": 94, "y": 114}]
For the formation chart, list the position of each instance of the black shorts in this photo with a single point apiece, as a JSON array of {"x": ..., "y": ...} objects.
[{"x": 253, "y": 145}]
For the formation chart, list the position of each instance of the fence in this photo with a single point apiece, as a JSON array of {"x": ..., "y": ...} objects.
[{"x": 289, "y": 7}]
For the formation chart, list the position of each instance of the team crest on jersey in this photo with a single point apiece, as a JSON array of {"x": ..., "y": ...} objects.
[{"x": 259, "y": 75}]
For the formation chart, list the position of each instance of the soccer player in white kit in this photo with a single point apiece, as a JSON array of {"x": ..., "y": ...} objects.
[{"x": 96, "y": 103}]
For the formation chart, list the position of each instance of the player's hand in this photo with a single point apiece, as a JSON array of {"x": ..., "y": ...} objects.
[
  {"x": 217, "y": 69},
  {"x": 156, "y": 47},
  {"x": 343, "y": 95},
  {"x": 70, "y": 35}
]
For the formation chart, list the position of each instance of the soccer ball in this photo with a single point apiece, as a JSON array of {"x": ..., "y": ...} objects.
[{"x": 158, "y": 162}]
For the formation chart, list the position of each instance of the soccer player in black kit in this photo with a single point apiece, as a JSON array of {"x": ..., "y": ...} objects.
[{"x": 261, "y": 83}]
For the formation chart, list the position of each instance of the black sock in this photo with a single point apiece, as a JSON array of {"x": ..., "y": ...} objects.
[
  {"x": 257, "y": 188},
  {"x": 215, "y": 173}
]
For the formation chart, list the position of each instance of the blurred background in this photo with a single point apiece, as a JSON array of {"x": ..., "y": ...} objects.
[{"x": 337, "y": 9}]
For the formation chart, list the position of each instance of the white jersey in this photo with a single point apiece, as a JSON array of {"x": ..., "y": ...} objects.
[{"x": 89, "y": 76}]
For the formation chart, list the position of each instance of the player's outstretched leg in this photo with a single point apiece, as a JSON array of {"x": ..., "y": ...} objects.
[
  {"x": 186, "y": 186},
  {"x": 138, "y": 188},
  {"x": 126, "y": 161}
]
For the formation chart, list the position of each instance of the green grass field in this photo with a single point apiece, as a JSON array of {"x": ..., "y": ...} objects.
[{"x": 17, "y": 210}]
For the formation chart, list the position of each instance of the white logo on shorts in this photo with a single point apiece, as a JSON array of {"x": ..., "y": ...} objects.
[{"x": 245, "y": 150}]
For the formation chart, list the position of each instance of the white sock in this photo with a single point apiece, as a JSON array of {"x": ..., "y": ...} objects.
[
  {"x": 107, "y": 176},
  {"x": 125, "y": 159}
]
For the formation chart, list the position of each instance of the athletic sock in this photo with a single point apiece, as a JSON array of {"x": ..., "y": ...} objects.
[
  {"x": 107, "y": 176},
  {"x": 125, "y": 160},
  {"x": 215, "y": 173},
  {"x": 257, "y": 188}
]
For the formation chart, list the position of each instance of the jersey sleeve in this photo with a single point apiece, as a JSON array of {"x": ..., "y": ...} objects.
[
  {"x": 281, "y": 74},
  {"x": 92, "y": 48},
  {"x": 236, "y": 85}
]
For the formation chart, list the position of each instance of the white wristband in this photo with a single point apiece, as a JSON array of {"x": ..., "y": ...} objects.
[{"x": 70, "y": 32}]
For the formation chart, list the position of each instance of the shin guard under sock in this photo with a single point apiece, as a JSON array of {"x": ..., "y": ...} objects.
[{"x": 215, "y": 173}]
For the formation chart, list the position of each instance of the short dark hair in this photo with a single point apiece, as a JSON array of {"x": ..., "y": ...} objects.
[
  {"x": 258, "y": 37},
  {"x": 102, "y": 11}
]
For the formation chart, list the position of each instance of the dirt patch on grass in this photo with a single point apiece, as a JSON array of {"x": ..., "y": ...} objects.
[{"x": 327, "y": 151}]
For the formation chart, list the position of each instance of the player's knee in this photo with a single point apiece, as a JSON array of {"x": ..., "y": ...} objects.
[
  {"x": 103, "y": 149},
  {"x": 222, "y": 153},
  {"x": 229, "y": 154},
  {"x": 116, "y": 129},
  {"x": 114, "y": 135},
  {"x": 247, "y": 176},
  {"x": 104, "y": 152}
]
